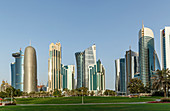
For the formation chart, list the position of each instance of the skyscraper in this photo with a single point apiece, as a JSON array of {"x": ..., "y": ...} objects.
[
  {"x": 30, "y": 70},
  {"x": 79, "y": 63},
  {"x": 148, "y": 58},
  {"x": 146, "y": 54},
  {"x": 132, "y": 66},
  {"x": 54, "y": 67},
  {"x": 120, "y": 85},
  {"x": 83, "y": 60},
  {"x": 17, "y": 70},
  {"x": 97, "y": 77},
  {"x": 89, "y": 58},
  {"x": 165, "y": 47},
  {"x": 68, "y": 73}
]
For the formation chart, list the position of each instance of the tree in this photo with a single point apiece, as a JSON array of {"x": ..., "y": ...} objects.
[
  {"x": 162, "y": 80},
  {"x": 57, "y": 93},
  {"x": 84, "y": 89},
  {"x": 136, "y": 86},
  {"x": 32, "y": 94},
  {"x": 92, "y": 93},
  {"x": 3, "y": 94},
  {"x": 15, "y": 92},
  {"x": 147, "y": 88},
  {"x": 109, "y": 92}
]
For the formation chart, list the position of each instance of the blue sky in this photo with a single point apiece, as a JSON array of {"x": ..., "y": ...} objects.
[{"x": 110, "y": 24}]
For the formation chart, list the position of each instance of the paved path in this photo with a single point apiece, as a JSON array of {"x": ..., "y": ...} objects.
[{"x": 79, "y": 104}]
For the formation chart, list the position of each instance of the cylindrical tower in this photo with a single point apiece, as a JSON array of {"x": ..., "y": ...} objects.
[
  {"x": 146, "y": 55},
  {"x": 30, "y": 70}
]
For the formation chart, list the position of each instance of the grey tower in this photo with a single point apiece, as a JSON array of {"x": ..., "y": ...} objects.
[{"x": 30, "y": 70}]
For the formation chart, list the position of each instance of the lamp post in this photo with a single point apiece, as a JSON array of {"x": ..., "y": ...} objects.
[{"x": 82, "y": 96}]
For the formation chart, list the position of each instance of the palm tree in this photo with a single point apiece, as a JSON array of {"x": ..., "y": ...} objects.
[{"x": 162, "y": 80}]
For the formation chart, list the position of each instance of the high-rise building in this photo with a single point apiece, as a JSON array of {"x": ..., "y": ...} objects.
[
  {"x": 146, "y": 54},
  {"x": 30, "y": 70},
  {"x": 83, "y": 60},
  {"x": 54, "y": 67},
  {"x": 79, "y": 63},
  {"x": 68, "y": 73},
  {"x": 148, "y": 60},
  {"x": 96, "y": 77},
  {"x": 17, "y": 70},
  {"x": 89, "y": 58},
  {"x": 120, "y": 85},
  {"x": 132, "y": 66},
  {"x": 165, "y": 47},
  {"x": 13, "y": 74}
]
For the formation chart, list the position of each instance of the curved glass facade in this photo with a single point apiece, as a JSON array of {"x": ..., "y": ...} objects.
[
  {"x": 17, "y": 71},
  {"x": 157, "y": 63},
  {"x": 79, "y": 62},
  {"x": 146, "y": 58}
]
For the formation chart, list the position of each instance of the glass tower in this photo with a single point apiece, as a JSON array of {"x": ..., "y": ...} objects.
[
  {"x": 132, "y": 66},
  {"x": 79, "y": 63},
  {"x": 83, "y": 60},
  {"x": 68, "y": 73},
  {"x": 165, "y": 47},
  {"x": 17, "y": 70},
  {"x": 89, "y": 58},
  {"x": 120, "y": 85},
  {"x": 146, "y": 55},
  {"x": 96, "y": 77}
]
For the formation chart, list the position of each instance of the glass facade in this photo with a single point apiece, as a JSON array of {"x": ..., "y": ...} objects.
[
  {"x": 17, "y": 71},
  {"x": 96, "y": 77},
  {"x": 146, "y": 57},
  {"x": 164, "y": 51},
  {"x": 83, "y": 60},
  {"x": 89, "y": 58},
  {"x": 122, "y": 75},
  {"x": 13, "y": 74},
  {"x": 79, "y": 63},
  {"x": 54, "y": 67},
  {"x": 68, "y": 73},
  {"x": 132, "y": 66},
  {"x": 120, "y": 84},
  {"x": 165, "y": 47}
]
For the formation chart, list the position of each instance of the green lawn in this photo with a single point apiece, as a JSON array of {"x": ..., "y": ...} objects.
[
  {"x": 87, "y": 99},
  {"x": 114, "y": 107}
]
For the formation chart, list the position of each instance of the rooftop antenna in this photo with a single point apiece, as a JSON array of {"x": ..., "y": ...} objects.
[
  {"x": 142, "y": 29},
  {"x": 30, "y": 42},
  {"x": 129, "y": 47},
  {"x": 142, "y": 25}
]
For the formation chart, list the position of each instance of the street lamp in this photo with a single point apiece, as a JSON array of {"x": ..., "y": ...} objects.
[{"x": 82, "y": 96}]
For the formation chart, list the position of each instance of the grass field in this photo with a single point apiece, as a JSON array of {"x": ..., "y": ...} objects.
[
  {"x": 114, "y": 107},
  {"x": 87, "y": 99}
]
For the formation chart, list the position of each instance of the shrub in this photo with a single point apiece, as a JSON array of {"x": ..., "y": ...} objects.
[
  {"x": 158, "y": 93},
  {"x": 165, "y": 99}
]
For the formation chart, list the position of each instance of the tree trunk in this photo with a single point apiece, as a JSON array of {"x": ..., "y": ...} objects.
[{"x": 165, "y": 91}]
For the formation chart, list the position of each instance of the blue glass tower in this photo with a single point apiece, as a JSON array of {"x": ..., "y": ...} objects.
[
  {"x": 120, "y": 85},
  {"x": 79, "y": 62},
  {"x": 146, "y": 55},
  {"x": 17, "y": 70}
]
